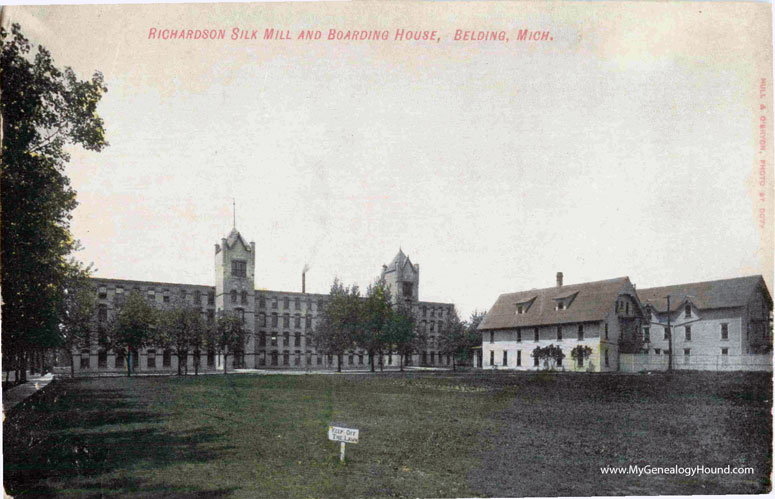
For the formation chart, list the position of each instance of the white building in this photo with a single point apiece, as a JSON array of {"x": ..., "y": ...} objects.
[{"x": 602, "y": 315}]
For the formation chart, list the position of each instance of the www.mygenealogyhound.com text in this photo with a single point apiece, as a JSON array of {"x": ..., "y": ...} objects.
[{"x": 634, "y": 469}]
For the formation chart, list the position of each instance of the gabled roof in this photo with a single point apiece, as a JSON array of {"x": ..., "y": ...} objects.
[
  {"x": 724, "y": 293},
  {"x": 399, "y": 262},
  {"x": 592, "y": 302},
  {"x": 235, "y": 236}
]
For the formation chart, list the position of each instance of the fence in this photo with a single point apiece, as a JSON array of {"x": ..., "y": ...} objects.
[{"x": 645, "y": 362}]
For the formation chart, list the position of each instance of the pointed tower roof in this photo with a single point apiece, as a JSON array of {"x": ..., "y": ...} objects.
[{"x": 235, "y": 236}]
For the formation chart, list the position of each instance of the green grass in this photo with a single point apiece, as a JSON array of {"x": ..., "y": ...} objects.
[{"x": 421, "y": 435}]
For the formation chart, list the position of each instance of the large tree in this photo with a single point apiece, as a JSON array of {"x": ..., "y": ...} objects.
[
  {"x": 44, "y": 109},
  {"x": 133, "y": 327},
  {"x": 77, "y": 311},
  {"x": 453, "y": 340},
  {"x": 339, "y": 322},
  {"x": 377, "y": 311},
  {"x": 230, "y": 336},
  {"x": 182, "y": 330},
  {"x": 402, "y": 333}
]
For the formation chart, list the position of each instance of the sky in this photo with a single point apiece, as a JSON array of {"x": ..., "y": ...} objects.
[{"x": 621, "y": 147}]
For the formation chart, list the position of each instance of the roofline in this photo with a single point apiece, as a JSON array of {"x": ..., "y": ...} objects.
[
  {"x": 702, "y": 282},
  {"x": 538, "y": 290}
]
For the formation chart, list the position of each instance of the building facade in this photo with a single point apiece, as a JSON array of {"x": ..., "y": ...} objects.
[
  {"x": 717, "y": 325},
  {"x": 279, "y": 323}
]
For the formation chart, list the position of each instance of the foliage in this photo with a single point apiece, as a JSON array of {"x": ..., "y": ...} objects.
[
  {"x": 133, "y": 327},
  {"x": 551, "y": 355},
  {"x": 402, "y": 333},
  {"x": 340, "y": 321},
  {"x": 453, "y": 338},
  {"x": 77, "y": 310},
  {"x": 44, "y": 109},
  {"x": 376, "y": 316},
  {"x": 580, "y": 351},
  {"x": 230, "y": 336},
  {"x": 182, "y": 329}
]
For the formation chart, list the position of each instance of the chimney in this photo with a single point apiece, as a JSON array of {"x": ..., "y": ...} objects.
[
  {"x": 559, "y": 279},
  {"x": 304, "y": 282}
]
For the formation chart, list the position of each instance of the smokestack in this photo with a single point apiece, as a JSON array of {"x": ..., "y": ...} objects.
[
  {"x": 304, "y": 282},
  {"x": 559, "y": 279}
]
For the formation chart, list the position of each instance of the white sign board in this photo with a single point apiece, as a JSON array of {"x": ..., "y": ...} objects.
[{"x": 346, "y": 435}]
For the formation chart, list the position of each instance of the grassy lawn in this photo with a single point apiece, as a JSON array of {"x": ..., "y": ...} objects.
[{"x": 421, "y": 435}]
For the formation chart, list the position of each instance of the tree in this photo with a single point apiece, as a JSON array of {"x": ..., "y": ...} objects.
[
  {"x": 230, "y": 336},
  {"x": 402, "y": 333},
  {"x": 133, "y": 327},
  {"x": 43, "y": 110},
  {"x": 453, "y": 340},
  {"x": 551, "y": 355},
  {"x": 580, "y": 352},
  {"x": 340, "y": 320},
  {"x": 473, "y": 336},
  {"x": 372, "y": 334},
  {"x": 77, "y": 311},
  {"x": 181, "y": 328}
]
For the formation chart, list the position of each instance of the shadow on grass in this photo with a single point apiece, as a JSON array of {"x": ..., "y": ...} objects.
[{"x": 73, "y": 434}]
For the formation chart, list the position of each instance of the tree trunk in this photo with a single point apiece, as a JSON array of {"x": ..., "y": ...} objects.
[
  {"x": 401, "y": 362},
  {"x": 225, "y": 362},
  {"x": 178, "y": 356},
  {"x": 339, "y": 363},
  {"x": 196, "y": 362},
  {"x": 72, "y": 364},
  {"x": 453, "y": 363},
  {"x": 381, "y": 363},
  {"x": 372, "y": 361},
  {"x": 128, "y": 361},
  {"x": 23, "y": 374}
]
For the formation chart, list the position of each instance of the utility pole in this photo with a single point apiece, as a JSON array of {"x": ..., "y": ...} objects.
[{"x": 669, "y": 339}]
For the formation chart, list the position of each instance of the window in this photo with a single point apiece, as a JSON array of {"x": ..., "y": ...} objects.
[
  {"x": 239, "y": 268},
  {"x": 285, "y": 302},
  {"x": 211, "y": 316},
  {"x": 233, "y": 296},
  {"x": 274, "y": 320},
  {"x": 297, "y": 340},
  {"x": 688, "y": 310},
  {"x": 274, "y": 358},
  {"x": 520, "y": 310},
  {"x": 166, "y": 360},
  {"x": 210, "y": 358},
  {"x": 240, "y": 312},
  {"x": 297, "y": 359},
  {"x": 297, "y": 321},
  {"x": 606, "y": 330},
  {"x": 262, "y": 358},
  {"x": 725, "y": 351},
  {"x": 85, "y": 359},
  {"x": 424, "y": 311},
  {"x": 151, "y": 295},
  {"x": 102, "y": 358},
  {"x": 244, "y": 297},
  {"x": 350, "y": 359},
  {"x": 492, "y": 337},
  {"x": 286, "y": 339},
  {"x": 666, "y": 334},
  {"x": 606, "y": 358},
  {"x": 433, "y": 326},
  {"x": 657, "y": 351},
  {"x": 687, "y": 352},
  {"x": 725, "y": 331},
  {"x": 627, "y": 307},
  {"x": 559, "y": 332},
  {"x": 297, "y": 303},
  {"x": 492, "y": 357},
  {"x": 262, "y": 302},
  {"x": 151, "y": 359},
  {"x": 286, "y": 358},
  {"x": 274, "y": 340},
  {"x": 519, "y": 335},
  {"x": 519, "y": 357},
  {"x": 433, "y": 358},
  {"x": 560, "y": 305},
  {"x": 319, "y": 359},
  {"x": 308, "y": 322},
  {"x": 535, "y": 333},
  {"x": 505, "y": 358},
  {"x": 211, "y": 298},
  {"x": 581, "y": 332},
  {"x": 183, "y": 295},
  {"x": 262, "y": 320},
  {"x": 688, "y": 333},
  {"x": 360, "y": 359},
  {"x": 407, "y": 289},
  {"x": 286, "y": 320},
  {"x": 262, "y": 339},
  {"x": 102, "y": 313},
  {"x": 120, "y": 359},
  {"x": 103, "y": 292},
  {"x": 197, "y": 297},
  {"x": 119, "y": 292},
  {"x": 165, "y": 296},
  {"x": 646, "y": 335},
  {"x": 274, "y": 302}
]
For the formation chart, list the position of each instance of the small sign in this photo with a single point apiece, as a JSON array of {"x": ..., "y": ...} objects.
[{"x": 346, "y": 435}]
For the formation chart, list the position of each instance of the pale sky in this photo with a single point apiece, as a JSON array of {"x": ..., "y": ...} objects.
[{"x": 621, "y": 147}]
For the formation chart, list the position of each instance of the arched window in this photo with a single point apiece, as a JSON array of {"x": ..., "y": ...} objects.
[{"x": 233, "y": 295}]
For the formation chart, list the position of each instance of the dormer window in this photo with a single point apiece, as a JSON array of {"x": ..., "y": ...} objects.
[
  {"x": 564, "y": 302},
  {"x": 520, "y": 309},
  {"x": 688, "y": 310},
  {"x": 560, "y": 305},
  {"x": 523, "y": 306}
]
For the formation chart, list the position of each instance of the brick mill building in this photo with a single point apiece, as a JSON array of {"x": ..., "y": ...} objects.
[{"x": 279, "y": 323}]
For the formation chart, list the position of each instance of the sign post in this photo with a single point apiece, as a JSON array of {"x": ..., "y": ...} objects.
[{"x": 343, "y": 436}]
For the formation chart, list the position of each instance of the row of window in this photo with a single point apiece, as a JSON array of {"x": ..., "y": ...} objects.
[
  {"x": 536, "y": 360},
  {"x": 102, "y": 293},
  {"x": 286, "y": 321},
  {"x": 687, "y": 351},
  {"x": 151, "y": 360},
  {"x": 723, "y": 333},
  {"x": 536, "y": 335}
]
